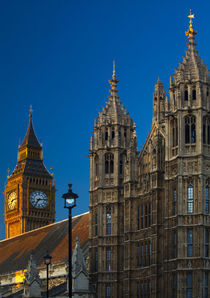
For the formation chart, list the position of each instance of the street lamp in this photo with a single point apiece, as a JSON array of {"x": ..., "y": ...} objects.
[
  {"x": 47, "y": 261},
  {"x": 70, "y": 202}
]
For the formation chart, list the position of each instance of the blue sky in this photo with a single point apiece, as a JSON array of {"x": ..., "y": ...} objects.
[{"x": 57, "y": 56}]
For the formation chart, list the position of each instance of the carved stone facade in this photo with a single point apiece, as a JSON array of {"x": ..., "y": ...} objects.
[{"x": 150, "y": 210}]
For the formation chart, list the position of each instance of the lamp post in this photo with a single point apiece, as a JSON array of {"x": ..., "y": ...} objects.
[
  {"x": 70, "y": 202},
  {"x": 47, "y": 261}
]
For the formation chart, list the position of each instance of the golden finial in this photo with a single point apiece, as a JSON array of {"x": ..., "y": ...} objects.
[
  {"x": 190, "y": 32},
  {"x": 8, "y": 170},
  {"x": 30, "y": 111},
  {"x": 191, "y": 16},
  {"x": 113, "y": 76}
]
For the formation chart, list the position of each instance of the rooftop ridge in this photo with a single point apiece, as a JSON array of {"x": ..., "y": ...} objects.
[{"x": 44, "y": 227}]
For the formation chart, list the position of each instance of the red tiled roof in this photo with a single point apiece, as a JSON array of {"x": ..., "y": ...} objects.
[{"x": 15, "y": 252}]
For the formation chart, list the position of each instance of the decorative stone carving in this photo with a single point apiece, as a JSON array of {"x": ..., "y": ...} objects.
[{"x": 32, "y": 283}]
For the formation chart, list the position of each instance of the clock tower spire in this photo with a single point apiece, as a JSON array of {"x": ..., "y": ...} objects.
[{"x": 30, "y": 191}]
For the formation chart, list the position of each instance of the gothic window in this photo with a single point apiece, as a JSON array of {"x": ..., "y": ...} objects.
[
  {"x": 189, "y": 242},
  {"x": 106, "y": 134},
  {"x": 207, "y": 92},
  {"x": 108, "y": 221},
  {"x": 108, "y": 259},
  {"x": 174, "y": 201},
  {"x": 206, "y": 130},
  {"x": 149, "y": 215},
  {"x": 145, "y": 218},
  {"x": 113, "y": 133},
  {"x": 96, "y": 260},
  {"x": 121, "y": 165},
  {"x": 189, "y": 285},
  {"x": 174, "y": 132},
  {"x": 207, "y": 200},
  {"x": 142, "y": 290},
  {"x": 119, "y": 137},
  {"x": 206, "y": 243},
  {"x": 145, "y": 255},
  {"x": 174, "y": 286},
  {"x": 190, "y": 199},
  {"x": 96, "y": 224},
  {"x": 194, "y": 94},
  {"x": 142, "y": 217},
  {"x": 137, "y": 290},
  {"x": 109, "y": 163},
  {"x": 138, "y": 218},
  {"x": 174, "y": 244},
  {"x": 145, "y": 289},
  {"x": 142, "y": 254},
  {"x": 96, "y": 165},
  {"x": 185, "y": 95},
  {"x": 206, "y": 281},
  {"x": 125, "y": 133},
  {"x": 108, "y": 291},
  {"x": 149, "y": 254},
  {"x": 138, "y": 255},
  {"x": 190, "y": 129}
]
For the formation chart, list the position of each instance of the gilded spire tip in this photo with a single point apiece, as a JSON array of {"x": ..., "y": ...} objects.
[
  {"x": 191, "y": 16},
  {"x": 30, "y": 111},
  {"x": 191, "y": 32},
  {"x": 113, "y": 75}
]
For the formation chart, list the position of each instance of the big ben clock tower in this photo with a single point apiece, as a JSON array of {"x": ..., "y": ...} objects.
[{"x": 30, "y": 191}]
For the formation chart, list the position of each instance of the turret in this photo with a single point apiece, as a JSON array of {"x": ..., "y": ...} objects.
[{"x": 158, "y": 102}]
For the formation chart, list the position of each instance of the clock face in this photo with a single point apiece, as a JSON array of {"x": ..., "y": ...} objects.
[
  {"x": 12, "y": 200},
  {"x": 39, "y": 199}
]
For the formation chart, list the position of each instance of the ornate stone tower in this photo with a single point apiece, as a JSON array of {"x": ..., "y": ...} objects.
[
  {"x": 187, "y": 176},
  {"x": 30, "y": 192},
  {"x": 150, "y": 210},
  {"x": 112, "y": 162}
]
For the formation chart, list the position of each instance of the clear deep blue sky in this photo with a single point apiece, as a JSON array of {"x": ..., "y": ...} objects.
[{"x": 57, "y": 56}]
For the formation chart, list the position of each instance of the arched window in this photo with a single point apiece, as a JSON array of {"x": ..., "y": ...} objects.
[
  {"x": 108, "y": 221},
  {"x": 96, "y": 165},
  {"x": 174, "y": 201},
  {"x": 190, "y": 198},
  {"x": 206, "y": 130},
  {"x": 174, "y": 132},
  {"x": 186, "y": 95},
  {"x": 121, "y": 166},
  {"x": 113, "y": 133},
  {"x": 109, "y": 163},
  {"x": 106, "y": 134},
  {"x": 194, "y": 94},
  {"x": 207, "y": 92},
  {"x": 207, "y": 200},
  {"x": 190, "y": 129}
]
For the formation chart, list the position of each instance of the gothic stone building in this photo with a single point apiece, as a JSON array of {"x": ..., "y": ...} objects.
[{"x": 150, "y": 210}]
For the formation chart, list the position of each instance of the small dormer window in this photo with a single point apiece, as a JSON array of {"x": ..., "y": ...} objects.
[{"x": 194, "y": 94}]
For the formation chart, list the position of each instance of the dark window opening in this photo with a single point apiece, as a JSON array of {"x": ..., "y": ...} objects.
[
  {"x": 190, "y": 129},
  {"x": 194, "y": 94},
  {"x": 108, "y": 221},
  {"x": 185, "y": 95},
  {"x": 108, "y": 259},
  {"x": 106, "y": 134},
  {"x": 190, "y": 243},
  {"x": 113, "y": 133},
  {"x": 109, "y": 163}
]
